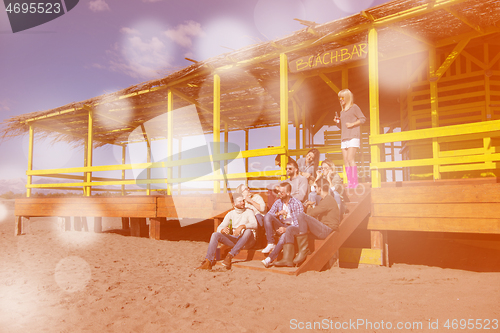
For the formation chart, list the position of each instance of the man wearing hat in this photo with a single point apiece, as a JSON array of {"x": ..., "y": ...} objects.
[{"x": 236, "y": 231}]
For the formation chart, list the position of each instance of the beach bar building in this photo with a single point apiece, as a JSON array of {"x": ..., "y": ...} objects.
[{"x": 426, "y": 73}]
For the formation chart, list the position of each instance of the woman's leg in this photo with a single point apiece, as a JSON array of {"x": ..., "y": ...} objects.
[{"x": 350, "y": 156}]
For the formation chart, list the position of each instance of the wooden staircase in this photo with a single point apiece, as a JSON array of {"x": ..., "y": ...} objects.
[{"x": 322, "y": 250}]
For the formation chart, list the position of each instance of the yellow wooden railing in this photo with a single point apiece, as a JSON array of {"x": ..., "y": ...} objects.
[
  {"x": 100, "y": 181},
  {"x": 458, "y": 160}
]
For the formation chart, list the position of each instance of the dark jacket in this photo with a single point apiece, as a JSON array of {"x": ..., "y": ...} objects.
[{"x": 327, "y": 212}]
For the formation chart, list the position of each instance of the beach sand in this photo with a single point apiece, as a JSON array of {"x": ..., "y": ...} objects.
[{"x": 53, "y": 281}]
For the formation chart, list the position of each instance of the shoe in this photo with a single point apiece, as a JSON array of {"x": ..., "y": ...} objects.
[
  {"x": 288, "y": 253},
  {"x": 266, "y": 262},
  {"x": 206, "y": 264},
  {"x": 303, "y": 243},
  {"x": 227, "y": 261},
  {"x": 268, "y": 248}
]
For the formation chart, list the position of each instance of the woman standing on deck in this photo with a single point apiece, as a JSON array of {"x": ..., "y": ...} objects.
[{"x": 350, "y": 121}]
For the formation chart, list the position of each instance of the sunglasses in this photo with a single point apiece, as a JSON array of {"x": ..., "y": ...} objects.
[{"x": 341, "y": 98}]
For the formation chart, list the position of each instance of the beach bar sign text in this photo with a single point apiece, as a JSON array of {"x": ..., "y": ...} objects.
[{"x": 329, "y": 58}]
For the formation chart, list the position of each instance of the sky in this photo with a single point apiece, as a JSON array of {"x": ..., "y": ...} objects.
[{"x": 102, "y": 46}]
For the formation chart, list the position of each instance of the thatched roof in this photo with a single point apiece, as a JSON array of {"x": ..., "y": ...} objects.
[{"x": 250, "y": 76}]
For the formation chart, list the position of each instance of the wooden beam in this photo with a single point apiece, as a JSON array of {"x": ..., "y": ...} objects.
[
  {"x": 193, "y": 101},
  {"x": 434, "y": 108},
  {"x": 283, "y": 109},
  {"x": 216, "y": 129},
  {"x": 329, "y": 83},
  {"x": 465, "y": 20},
  {"x": 374, "y": 102},
  {"x": 440, "y": 132},
  {"x": 170, "y": 137},
  {"x": 436, "y": 75},
  {"x": 409, "y": 33},
  {"x": 31, "y": 140},
  {"x": 89, "y": 152},
  {"x": 436, "y": 224}
]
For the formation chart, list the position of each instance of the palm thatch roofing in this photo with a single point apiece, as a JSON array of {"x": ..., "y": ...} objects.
[{"x": 250, "y": 76}]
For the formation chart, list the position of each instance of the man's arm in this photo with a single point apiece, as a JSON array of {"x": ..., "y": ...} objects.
[
  {"x": 302, "y": 186},
  {"x": 323, "y": 207},
  {"x": 296, "y": 208},
  {"x": 225, "y": 221}
]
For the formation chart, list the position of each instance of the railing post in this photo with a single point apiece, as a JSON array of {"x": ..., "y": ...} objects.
[
  {"x": 216, "y": 130},
  {"x": 434, "y": 110},
  {"x": 89, "y": 152},
  {"x": 374, "y": 102},
  {"x": 30, "y": 158},
  {"x": 170, "y": 138},
  {"x": 124, "y": 151},
  {"x": 283, "y": 110}
]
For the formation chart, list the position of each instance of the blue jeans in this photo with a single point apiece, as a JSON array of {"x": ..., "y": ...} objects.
[
  {"x": 245, "y": 241},
  {"x": 318, "y": 229},
  {"x": 288, "y": 237},
  {"x": 271, "y": 224},
  {"x": 260, "y": 219}
]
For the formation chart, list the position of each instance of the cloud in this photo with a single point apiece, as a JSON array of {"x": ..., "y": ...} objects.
[
  {"x": 183, "y": 32},
  {"x": 138, "y": 58},
  {"x": 98, "y": 6},
  {"x": 129, "y": 31},
  {"x": 4, "y": 105}
]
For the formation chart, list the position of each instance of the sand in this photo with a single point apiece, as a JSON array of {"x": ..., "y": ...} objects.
[{"x": 53, "y": 281}]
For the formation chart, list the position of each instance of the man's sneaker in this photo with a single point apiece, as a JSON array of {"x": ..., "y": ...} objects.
[
  {"x": 206, "y": 264},
  {"x": 268, "y": 248},
  {"x": 266, "y": 262},
  {"x": 227, "y": 261}
]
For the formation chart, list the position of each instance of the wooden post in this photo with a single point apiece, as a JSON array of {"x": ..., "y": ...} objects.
[
  {"x": 374, "y": 101},
  {"x": 379, "y": 242},
  {"x": 148, "y": 157},
  {"x": 125, "y": 223},
  {"x": 374, "y": 117},
  {"x": 284, "y": 110},
  {"x": 434, "y": 109},
  {"x": 489, "y": 114},
  {"x": 216, "y": 130},
  {"x": 30, "y": 159},
  {"x": 179, "y": 167},
  {"x": 98, "y": 224},
  {"x": 124, "y": 150},
  {"x": 90, "y": 146},
  {"x": 137, "y": 225},
  {"x": 226, "y": 145},
  {"x": 247, "y": 134},
  {"x": 19, "y": 226},
  {"x": 155, "y": 227},
  {"x": 170, "y": 138}
]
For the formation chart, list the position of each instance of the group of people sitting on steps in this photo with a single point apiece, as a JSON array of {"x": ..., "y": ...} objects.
[
  {"x": 311, "y": 201},
  {"x": 298, "y": 207}
]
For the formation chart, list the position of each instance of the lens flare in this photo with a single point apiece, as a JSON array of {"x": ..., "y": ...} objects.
[
  {"x": 3, "y": 212},
  {"x": 222, "y": 35},
  {"x": 72, "y": 274},
  {"x": 275, "y": 18},
  {"x": 351, "y": 7}
]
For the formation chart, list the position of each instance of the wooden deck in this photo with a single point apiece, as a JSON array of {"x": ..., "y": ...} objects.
[
  {"x": 463, "y": 206},
  {"x": 132, "y": 209}
]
